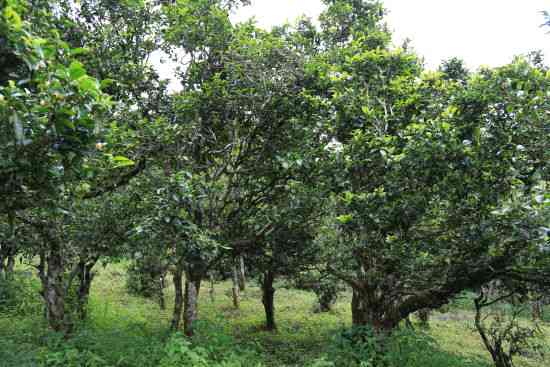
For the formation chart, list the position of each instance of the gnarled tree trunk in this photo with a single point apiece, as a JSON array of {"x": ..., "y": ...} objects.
[
  {"x": 268, "y": 299},
  {"x": 370, "y": 309}
]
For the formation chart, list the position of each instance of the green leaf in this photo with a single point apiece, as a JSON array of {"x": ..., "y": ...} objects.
[
  {"x": 79, "y": 51},
  {"x": 13, "y": 18},
  {"x": 344, "y": 219},
  {"x": 88, "y": 84},
  {"x": 76, "y": 70},
  {"x": 106, "y": 82},
  {"x": 121, "y": 161},
  {"x": 68, "y": 123}
]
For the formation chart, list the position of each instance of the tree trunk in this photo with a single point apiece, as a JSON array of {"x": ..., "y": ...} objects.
[
  {"x": 268, "y": 293},
  {"x": 536, "y": 309},
  {"x": 500, "y": 358},
  {"x": 11, "y": 264},
  {"x": 367, "y": 310},
  {"x": 236, "y": 289},
  {"x": 192, "y": 288},
  {"x": 162, "y": 303},
  {"x": 1, "y": 264},
  {"x": 359, "y": 312},
  {"x": 54, "y": 294},
  {"x": 85, "y": 276},
  {"x": 178, "y": 299},
  {"x": 242, "y": 275},
  {"x": 211, "y": 291}
]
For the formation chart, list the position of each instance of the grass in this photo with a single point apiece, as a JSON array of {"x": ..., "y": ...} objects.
[{"x": 124, "y": 330}]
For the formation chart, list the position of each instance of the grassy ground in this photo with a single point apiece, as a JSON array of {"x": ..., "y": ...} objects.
[{"x": 123, "y": 330}]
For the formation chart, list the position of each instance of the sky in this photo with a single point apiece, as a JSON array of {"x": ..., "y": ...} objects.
[{"x": 482, "y": 32}]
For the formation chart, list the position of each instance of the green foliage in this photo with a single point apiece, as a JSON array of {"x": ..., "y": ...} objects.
[
  {"x": 19, "y": 294},
  {"x": 49, "y": 109},
  {"x": 362, "y": 347},
  {"x": 71, "y": 357},
  {"x": 145, "y": 276},
  {"x": 180, "y": 352}
]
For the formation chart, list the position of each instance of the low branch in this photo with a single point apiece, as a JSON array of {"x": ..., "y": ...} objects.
[{"x": 122, "y": 181}]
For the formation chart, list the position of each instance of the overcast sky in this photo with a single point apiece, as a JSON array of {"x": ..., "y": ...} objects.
[{"x": 482, "y": 32}]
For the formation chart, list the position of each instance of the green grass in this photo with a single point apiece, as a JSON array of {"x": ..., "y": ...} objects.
[{"x": 124, "y": 330}]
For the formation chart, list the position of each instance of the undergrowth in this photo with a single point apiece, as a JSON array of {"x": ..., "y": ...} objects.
[{"x": 128, "y": 331}]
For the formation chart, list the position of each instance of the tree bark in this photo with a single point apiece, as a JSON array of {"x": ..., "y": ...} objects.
[
  {"x": 1, "y": 264},
  {"x": 162, "y": 303},
  {"x": 500, "y": 358},
  {"x": 211, "y": 291},
  {"x": 85, "y": 276},
  {"x": 359, "y": 312},
  {"x": 192, "y": 288},
  {"x": 369, "y": 310},
  {"x": 536, "y": 309},
  {"x": 178, "y": 299},
  {"x": 268, "y": 300},
  {"x": 54, "y": 292},
  {"x": 242, "y": 275},
  {"x": 236, "y": 288},
  {"x": 11, "y": 265}
]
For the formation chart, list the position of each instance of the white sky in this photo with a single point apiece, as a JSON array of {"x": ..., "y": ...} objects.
[{"x": 482, "y": 32}]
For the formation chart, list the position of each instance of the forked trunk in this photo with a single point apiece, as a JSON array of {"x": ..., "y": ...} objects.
[{"x": 268, "y": 300}]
